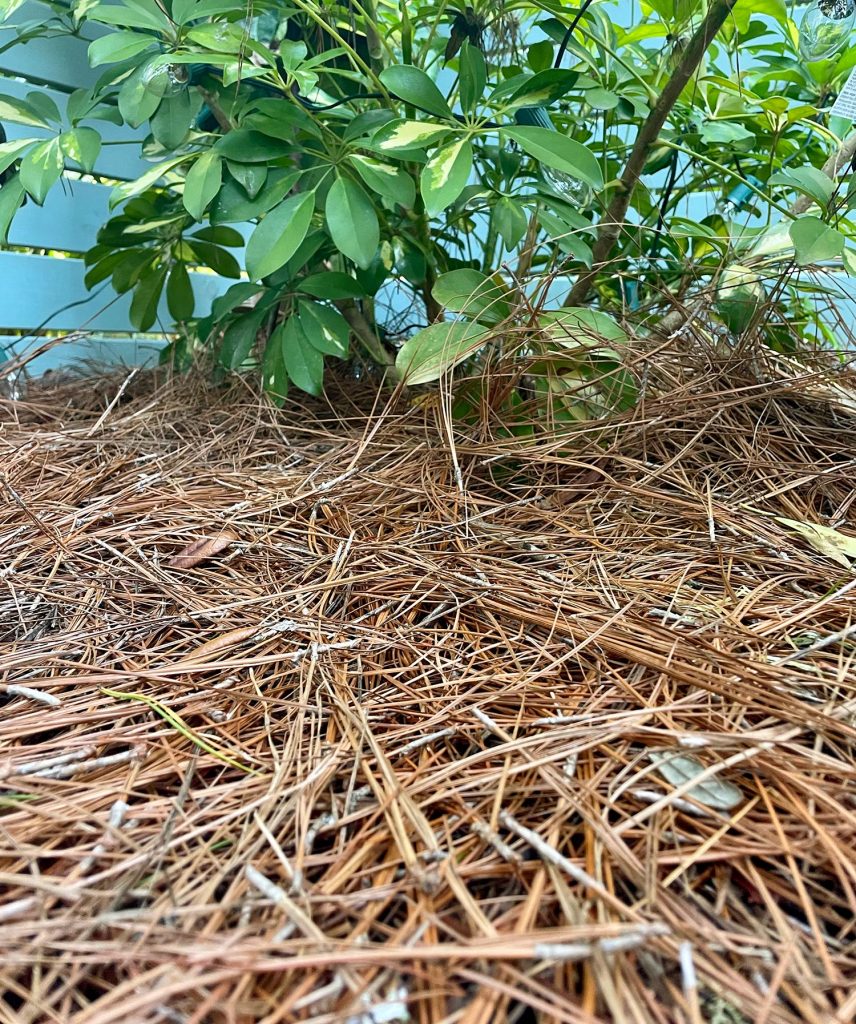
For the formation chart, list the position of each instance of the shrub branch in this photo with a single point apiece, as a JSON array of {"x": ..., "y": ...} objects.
[{"x": 613, "y": 220}]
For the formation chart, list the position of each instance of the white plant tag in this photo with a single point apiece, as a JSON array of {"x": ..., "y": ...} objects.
[{"x": 845, "y": 105}]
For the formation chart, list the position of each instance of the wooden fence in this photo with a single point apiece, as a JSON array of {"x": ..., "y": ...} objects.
[{"x": 46, "y": 292}]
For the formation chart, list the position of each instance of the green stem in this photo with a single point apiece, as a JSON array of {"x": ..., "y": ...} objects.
[{"x": 356, "y": 59}]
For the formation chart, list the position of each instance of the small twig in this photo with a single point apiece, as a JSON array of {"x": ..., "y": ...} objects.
[
  {"x": 569, "y": 951},
  {"x": 32, "y": 767},
  {"x": 16, "y": 690},
  {"x": 552, "y": 855},
  {"x": 819, "y": 645},
  {"x": 68, "y": 770},
  {"x": 113, "y": 402}
]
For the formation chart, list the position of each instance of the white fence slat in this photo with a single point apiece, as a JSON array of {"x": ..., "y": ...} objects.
[
  {"x": 38, "y": 288},
  {"x": 114, "y": 161}
]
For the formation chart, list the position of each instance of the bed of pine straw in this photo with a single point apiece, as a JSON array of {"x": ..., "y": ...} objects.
[{"x": 295, "y": 729}]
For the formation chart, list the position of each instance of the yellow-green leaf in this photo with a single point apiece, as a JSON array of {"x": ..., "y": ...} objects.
[
  {"x": 840, "y": 547},
  {"x": 436, "y": 349},
  {"x": 445, "y": 176}
]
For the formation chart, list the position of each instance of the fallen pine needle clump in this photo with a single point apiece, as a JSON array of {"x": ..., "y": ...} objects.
[{"x": 335, "y": 713}]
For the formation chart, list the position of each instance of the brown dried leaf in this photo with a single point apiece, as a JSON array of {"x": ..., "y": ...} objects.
[
  {"x": 219, "y": 643},
  {"x": 201, "y": 550}
]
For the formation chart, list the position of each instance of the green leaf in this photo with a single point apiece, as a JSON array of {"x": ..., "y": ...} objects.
[
  {"x": 541, "y": 89},
  {"x": 274, "y": 373},
  {"x": 332, "y": 284},
  {"x": 725, "y": 132},
  {"x": 848, "y": 257},
  {"x": 602, "y": 99},
  {"x": 815, "y": 241},
  {"x": 133, "y": 188},
  {"x": 445, "y": 175},
  {"x": 8, "y": 8},
  {"x": 281, "y": 120},
  {"x": 739, "y": 297},
  {"x": 171, "y": 122},
  {"x": 136, "y": 102},
  {"x": 10, "y": 151},
  {"x": 239, "y": 338},
  {"x": 118, "y": 46},
  {"x": 277, "y": 237},
  {"x": 566, "y": 237},
  {"x": 539, "y": 56},
  {"x": 102, "y": 268},
  {"x": 184, "y": 11},
  {"x": 147, "y": 293},
  {"x": 251, "y": 177},
  {"x": 11, "y": 198},
  {"x": 386, "y": 180},
  {"x": 509, "y": 221},
  {"x": 45, "y": 106},
  {"x": 20, "y": 112},
  {"x": 232, "y": 206},
  {"x": 556, "y": 150},
  {"x": 82, "y": 145},
  {"x": 179, "y": 293},
  {"x": 235, "y": 295},
  {"x": 809, "y": 180},
  {"x": 473, "y": 76},
  {"x": 145, "y": 16},
  {"x": 406, "y": 136},
  {"x": 220, "y": 236},
  {"x": 325, "y": 328},
  {"x": 436, "y": 349},
  {"x": 472, "y": 293},
  {"x": 304, "y": 254},
  {"x": 412, "y": 85},
  {"x": 221, "y": 261},
  {"x": 366, "y": 123},
  {"x": 249, "y": 147},
  {"x": 128, "y": 271},
  {"x": 202, "y": 183},
  {"x": 304, "y": 363},
  {"x": 352, "y": 221},
  {"x": 41, "y": 169},
  {"x": 579, "y": 325}
]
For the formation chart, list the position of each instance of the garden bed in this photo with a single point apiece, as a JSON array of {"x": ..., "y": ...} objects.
[{"x": 294, "y": 728}]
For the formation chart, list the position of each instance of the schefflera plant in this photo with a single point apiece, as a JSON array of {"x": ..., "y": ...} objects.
[
  {"x": 573, "y": 359},
  {"x": 345, "y": 171},
  {"x": 365, "y": 151}
]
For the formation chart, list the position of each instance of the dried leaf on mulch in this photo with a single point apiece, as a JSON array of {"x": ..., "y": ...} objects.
[{"x": 200, "y": 550}]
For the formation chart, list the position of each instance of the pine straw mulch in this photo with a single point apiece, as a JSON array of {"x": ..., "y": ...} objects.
[{"x": 386, "y": 747}]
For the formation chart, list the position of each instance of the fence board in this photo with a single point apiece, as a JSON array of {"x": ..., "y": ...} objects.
[
  {"x": 97, "y": 350},
  {"x": 37, "y": 289},
  {"x": 40, "y": 292},
  {"x": 60, "y": 61},
  {"x": 70, "y": 218}
]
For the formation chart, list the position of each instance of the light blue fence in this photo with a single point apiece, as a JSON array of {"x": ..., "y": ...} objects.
[{"x": 46, "y": 292}]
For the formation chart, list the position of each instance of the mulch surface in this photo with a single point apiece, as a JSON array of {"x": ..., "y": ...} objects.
[{"x": 339, "y": 713}]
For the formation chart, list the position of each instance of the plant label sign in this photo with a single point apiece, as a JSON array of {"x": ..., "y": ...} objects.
[{"x": 845, "y": 105}]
